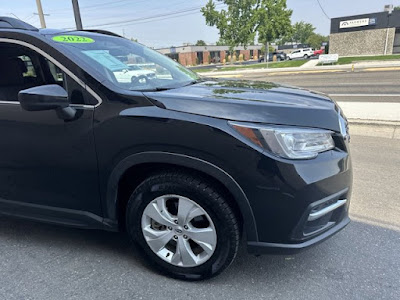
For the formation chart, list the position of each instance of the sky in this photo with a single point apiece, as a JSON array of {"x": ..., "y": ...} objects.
[{"x": 170, "y": 28}]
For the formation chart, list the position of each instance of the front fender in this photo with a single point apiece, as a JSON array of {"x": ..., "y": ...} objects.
[{"x": 184, "y": 161}]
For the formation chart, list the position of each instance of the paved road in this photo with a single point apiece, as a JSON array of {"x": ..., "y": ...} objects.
[
  {"x": 362, "y": 262},
  {"x": 365, "y": 86}
]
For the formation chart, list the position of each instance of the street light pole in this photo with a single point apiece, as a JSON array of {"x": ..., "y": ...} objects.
[
  {"x": 40, "y": 13},
  {"x": 77, "y": 14}
]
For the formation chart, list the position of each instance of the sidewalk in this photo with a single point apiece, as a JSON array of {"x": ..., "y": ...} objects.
[
  {"x": 374, "y": 111},
  {"x": 311, "y": 67},
  {"x": 378, "y": 119}
]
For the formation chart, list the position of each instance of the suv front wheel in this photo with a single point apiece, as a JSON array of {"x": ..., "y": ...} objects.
[{"x": 184, "y": 225}]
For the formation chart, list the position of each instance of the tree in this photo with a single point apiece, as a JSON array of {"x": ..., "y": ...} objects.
[
  {"x": 302, "y": 31},
  {"x": 315, "y": 40},
  {"x": 221, "y": 42},
  {"x": 201, "y": 43},
  {"x": 396, "y": 8},
  {"x": 273, "y": 21},
  {"x": 235, "y": 23},
  {"x": 239, "y": 23},
  {"x": 271, "y": 49}
]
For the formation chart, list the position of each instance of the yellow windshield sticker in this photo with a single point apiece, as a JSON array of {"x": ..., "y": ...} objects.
[{"x": 73, "y": 39}]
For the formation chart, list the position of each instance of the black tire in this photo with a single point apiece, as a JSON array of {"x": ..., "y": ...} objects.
[
  {"x": 203, "y": 193},
  {"x": 305, "y": 56}
]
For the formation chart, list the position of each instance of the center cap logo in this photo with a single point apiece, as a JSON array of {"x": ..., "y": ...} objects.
[{"x": 177, "y": 230}]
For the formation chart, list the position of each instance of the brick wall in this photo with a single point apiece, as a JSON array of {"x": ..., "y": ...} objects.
[
  {"x": 246, "y": 54},
  {"x": 206, "y": 56},
  {"x": 367, "y": 42},
  {"x": 222, "y": 55},
  {"x": 255, "y": 53},
  {"x": 187, "y": 59}
]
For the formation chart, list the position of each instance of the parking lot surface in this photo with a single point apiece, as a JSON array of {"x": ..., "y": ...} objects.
[{"x": 41, "y": 261}]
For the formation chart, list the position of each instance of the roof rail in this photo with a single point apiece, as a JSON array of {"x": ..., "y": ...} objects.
[
  {"x": 106, "y": 32},
  {"x": 11, "y": 23}
]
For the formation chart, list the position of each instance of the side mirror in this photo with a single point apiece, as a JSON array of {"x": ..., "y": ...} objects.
[
  {"x": 47, "y": 97},
  {"x": 44, "y": 97}
]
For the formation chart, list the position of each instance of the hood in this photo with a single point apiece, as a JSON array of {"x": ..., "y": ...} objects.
[{"x": 251, "y": 101}]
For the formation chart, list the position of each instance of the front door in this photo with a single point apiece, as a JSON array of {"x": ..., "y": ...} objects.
[{"x": 44, "y": 160}]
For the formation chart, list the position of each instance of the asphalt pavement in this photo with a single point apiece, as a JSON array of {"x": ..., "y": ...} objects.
[
  {"x": 343, "y": 85},
  {"x": 42, "y": 262}
]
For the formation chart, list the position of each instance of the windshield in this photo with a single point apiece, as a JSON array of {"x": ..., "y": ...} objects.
[{"x": 126, "y": 64}]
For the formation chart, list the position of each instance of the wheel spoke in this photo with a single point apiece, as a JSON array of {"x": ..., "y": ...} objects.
[
  {"x": 195, "y": 212},
  {"x": 184, "y": 253},
  {"x": 157, "y": 239},
  {"x": 159, "y": 214},
  {"x": 184, "y": 209},
  {"x": 205, "y": 237}
]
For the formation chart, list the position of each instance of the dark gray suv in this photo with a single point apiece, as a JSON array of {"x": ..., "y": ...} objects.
[{"x": 187, "y": 166}]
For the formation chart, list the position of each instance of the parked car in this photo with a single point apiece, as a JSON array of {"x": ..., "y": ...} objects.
[
  {"x": 318, "y": 52},
  {"x": 185, "y": 165},
  {"x": 301, "y": 53},
  {"x": 280, "y": 56},
  {"x": 128, "y": 73}
]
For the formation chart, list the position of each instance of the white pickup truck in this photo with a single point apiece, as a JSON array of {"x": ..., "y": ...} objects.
[
  {"x": 129, "y": 72},
  {"x": 301, "y": 53}
]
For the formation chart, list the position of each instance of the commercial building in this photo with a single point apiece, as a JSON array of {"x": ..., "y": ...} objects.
[
  {"x": 368, "y": 34},
  {"x": 197, "y": 55}
]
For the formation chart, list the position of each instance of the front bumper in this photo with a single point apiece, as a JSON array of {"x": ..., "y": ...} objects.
[
  {"x": 298, "y": 204},
  {"x": 258, "y": 248}
]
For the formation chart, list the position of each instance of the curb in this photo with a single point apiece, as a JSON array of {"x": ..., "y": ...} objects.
[
  {"x": 301, "y": 69},
  {"x": 375, "y": 128}
]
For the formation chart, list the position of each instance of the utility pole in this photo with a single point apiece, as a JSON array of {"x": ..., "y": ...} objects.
[
  {"x": 40, "y": 13},
  {"x": 77, "y": 14}
]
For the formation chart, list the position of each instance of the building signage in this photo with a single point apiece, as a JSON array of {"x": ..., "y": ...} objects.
[
  {"x": 328, "y": 58},
  {"x": 354, "y": 23}
]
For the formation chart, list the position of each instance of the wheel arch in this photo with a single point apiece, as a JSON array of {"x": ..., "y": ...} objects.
[{"x": 154, "y": 161}]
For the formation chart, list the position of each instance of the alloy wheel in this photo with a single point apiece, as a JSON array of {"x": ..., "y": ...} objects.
[{"x": 179, "y": 231}]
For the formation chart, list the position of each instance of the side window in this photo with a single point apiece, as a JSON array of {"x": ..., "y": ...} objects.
[
  {"x": 29, "y": 68},
  {"x": 18, "y": 71},
  {"x": 76, "y": 94},
  {"x": 23, "y": 68},
  {"x": 56, "y": 73}
]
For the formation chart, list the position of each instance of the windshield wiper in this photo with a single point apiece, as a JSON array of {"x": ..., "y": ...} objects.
[
  {"x": 156, "y": 89},
  {"x": 193, "y": 82},
  {"x": 166, "y": 88}
]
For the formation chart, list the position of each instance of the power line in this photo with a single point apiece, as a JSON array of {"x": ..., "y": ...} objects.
[
  {"x": 326, "y": 15},
  {"x": 95, "y": 9},
  {"x": 110, "y": 5},
  {"x": 107, "y": 3},
  {"x": 29, "y": 17},
  {"x": 92, "y": 6},
  {"x": 148, "y": 18},
  {"x": 158, "y": 19}
]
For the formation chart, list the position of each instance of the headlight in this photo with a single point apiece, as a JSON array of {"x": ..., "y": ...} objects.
[{"x": 287, "y": 142}]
